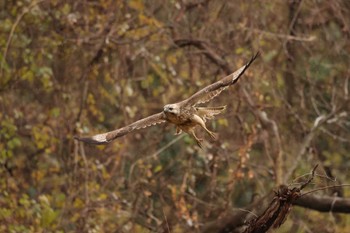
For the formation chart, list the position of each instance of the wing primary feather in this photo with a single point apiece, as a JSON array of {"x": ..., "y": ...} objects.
[
  {"x": 245, "y": 67},
  {"x": 213, "y": 90},
  {"x": 98, "y": 139},
  {"x": 105, "y": 138}
]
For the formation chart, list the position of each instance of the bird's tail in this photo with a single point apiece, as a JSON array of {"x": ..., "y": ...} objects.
[{"x": 209, "y": 112}]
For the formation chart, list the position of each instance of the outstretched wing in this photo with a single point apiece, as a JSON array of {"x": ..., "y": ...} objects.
[
  {"x": 213, "y": 90},
  {"x": 110, "y": 136}
]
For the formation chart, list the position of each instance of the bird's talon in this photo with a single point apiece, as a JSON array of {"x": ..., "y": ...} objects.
[
  {"x": 199, "y": 143},
  {"x": 214, "y": 136}
]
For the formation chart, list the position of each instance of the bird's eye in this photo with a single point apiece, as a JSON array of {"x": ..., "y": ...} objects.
[{"x": 170, "y": 108}]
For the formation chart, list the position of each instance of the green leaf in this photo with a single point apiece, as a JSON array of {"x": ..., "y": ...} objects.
[
  {"x": 55, "y": 112},
  {"x": 158, "y": 168}
]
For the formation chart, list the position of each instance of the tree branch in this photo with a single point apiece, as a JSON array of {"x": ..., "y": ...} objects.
[
  {"x": 207, "y": 50},
  {"x": 324, "y": 203}
]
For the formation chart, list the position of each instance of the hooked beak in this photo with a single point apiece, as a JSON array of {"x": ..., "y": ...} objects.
[{"x": 166, "y": 109}]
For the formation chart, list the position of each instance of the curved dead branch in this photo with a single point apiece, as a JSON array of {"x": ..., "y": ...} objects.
[{"x": 324, "y": 203}]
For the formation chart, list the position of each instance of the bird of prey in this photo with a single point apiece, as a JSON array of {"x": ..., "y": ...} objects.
[{"x": 186, "y": 115}]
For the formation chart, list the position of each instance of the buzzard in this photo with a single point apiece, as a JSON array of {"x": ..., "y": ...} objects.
[{"x": 186, "y": 115}]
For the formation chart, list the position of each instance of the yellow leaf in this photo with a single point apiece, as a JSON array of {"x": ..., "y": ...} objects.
[
  {"x": 137, "y": 5},
  {"x": 158, "y": 168},
  {"x": 223, "y": 122},
  {"x": 102, "y": 197},
  {"x": 78, "y": 203}
]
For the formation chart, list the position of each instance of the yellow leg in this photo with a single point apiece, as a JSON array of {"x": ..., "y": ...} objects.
[
  {"x": 200, "y": 121},
  {"x": 198, "y": 140}
]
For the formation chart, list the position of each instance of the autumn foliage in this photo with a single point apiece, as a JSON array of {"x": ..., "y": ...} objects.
[{"x": 85, "y": 67}]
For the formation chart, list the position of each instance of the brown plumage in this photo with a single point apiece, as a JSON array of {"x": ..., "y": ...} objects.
[{"x": 186, "y": 115}]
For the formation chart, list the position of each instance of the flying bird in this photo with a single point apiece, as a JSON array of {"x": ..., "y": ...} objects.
[{"x": 186, "y": 115}]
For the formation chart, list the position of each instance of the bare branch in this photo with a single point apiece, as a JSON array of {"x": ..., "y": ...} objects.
[
  {"x": 324, "y": 204},
  {"x": 276, "y": 213},
  {"x": 308, "y": 181},
  {"x": 283, "y": 36},
  {"x": 319, "y": 121},
  {"x": 207, "y": 50}
]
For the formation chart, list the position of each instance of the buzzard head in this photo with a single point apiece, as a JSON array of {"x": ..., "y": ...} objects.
[{"x": 172, "y": 108}]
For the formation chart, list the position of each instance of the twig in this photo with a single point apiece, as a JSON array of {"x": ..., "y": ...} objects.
[
  {"x": 310, "y": 179},
  {"x": 154, "y": 155},
  {"x": 326, "y": 187},
  {"x": 272, "y": 125},
  {"x": 346, "y": 90},
  {"x": 282, "y": 36},
  {"x": 166, "y": 220},
  {"x": 307, "y": 141},
  {"x": 19, "y": 18},
  {"x": 86, "y": 175}
]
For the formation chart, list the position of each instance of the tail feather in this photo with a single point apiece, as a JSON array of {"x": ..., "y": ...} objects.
[{"x": 209, "y": 112}]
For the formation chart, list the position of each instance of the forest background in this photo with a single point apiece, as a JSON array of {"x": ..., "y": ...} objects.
[{"x": 84, "y": 67}]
